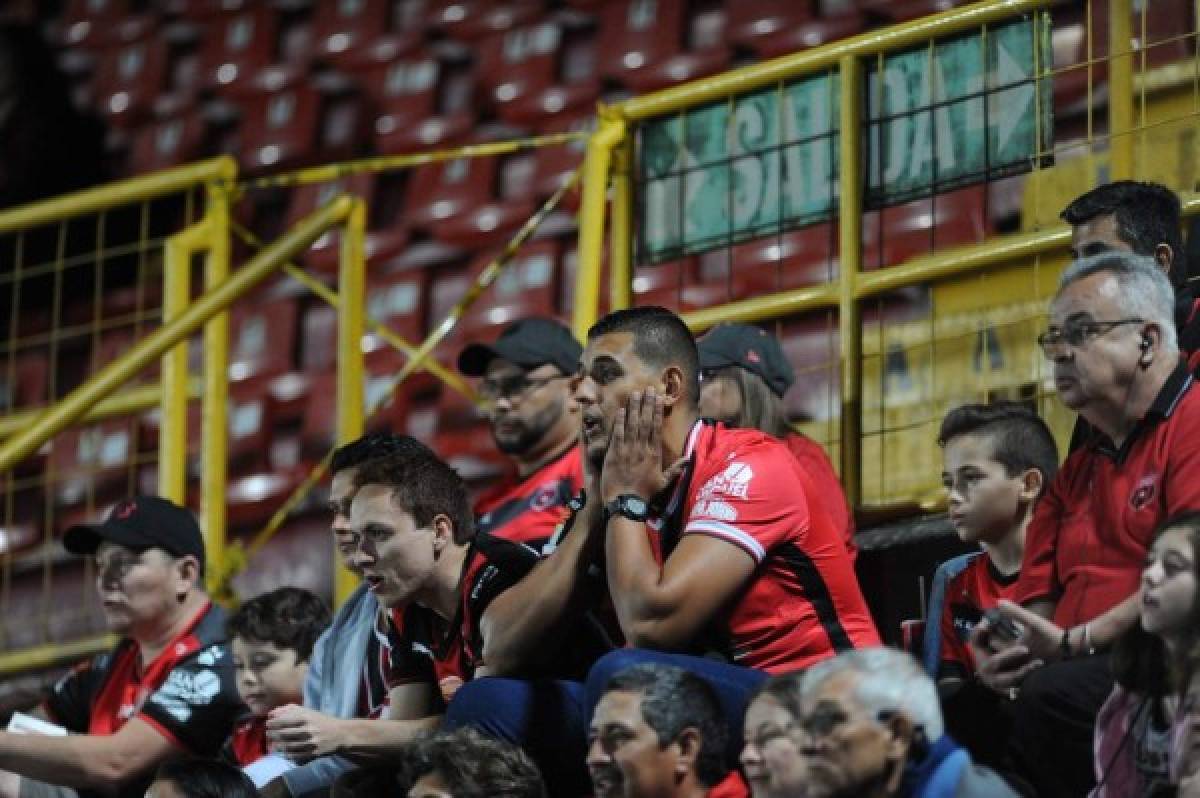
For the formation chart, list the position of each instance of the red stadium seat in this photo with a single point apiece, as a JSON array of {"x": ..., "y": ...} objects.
[
  {"x": 893, "y": 11},
  {"x": 238, "y": 45},
  {"x": 749, "y": 21},
  {"x": 924, "y": 226},
  {"x": 575, "y": 88},
  {"x": 528, "y": 286},
  {"x": 519, "y": 62},
  {"x": 636, "y": 33},
  {"x": 325, "y": 252},
  {"x": 29, "y": 384},
  {"x": 85, "y": 22},
  {"x": 794, "y": 259},
  {"x": 804, "y": 35},
  {"x": 262, "y": 338},
  {"x": 418, "y": 100},
  {"x": 287, "y": 122},
  {"x": 93, "y": 463},
  {"x": 678, "y": 68},
  {"x": 811, "y": 345},
  {"x": 167, "y": 142},
  {"x": 130, "y": 76},
  {"x": 470, "y": 20},
  {"x": 341, "y": 30},
  {"x": 398, "y": 301},
  {"x": 442, "y": 191}
]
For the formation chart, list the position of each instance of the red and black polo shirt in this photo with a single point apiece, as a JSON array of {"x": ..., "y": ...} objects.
[
  {"x": 188, "y": 693},
  {"x": 1087, "y": 541},
  {"x": 433, "y": 654},
  {"x": 803, "y": 603},
  {"x": 973, "y": 591},
  {"x": 815, "y": 462},
  {"x": 530, "y": 509}
]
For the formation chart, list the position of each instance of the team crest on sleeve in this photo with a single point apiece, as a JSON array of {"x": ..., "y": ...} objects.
[
  {"x": 733, "y": 483},
  {"x": 185, "y": 689},
  {"x": 545, "y": 497}
]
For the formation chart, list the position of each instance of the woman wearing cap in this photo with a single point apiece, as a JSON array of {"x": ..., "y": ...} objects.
[{"x": 743, "y": 377}]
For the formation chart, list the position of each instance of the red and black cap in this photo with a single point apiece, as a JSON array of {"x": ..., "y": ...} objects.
[
  {"x": 528, "y": 343},
  {"x": 748, "y": 347},
  {"x": 143, "y": 522}
]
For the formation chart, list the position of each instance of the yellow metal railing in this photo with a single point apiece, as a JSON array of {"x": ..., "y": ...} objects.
[{"x": 609, "y": 166}]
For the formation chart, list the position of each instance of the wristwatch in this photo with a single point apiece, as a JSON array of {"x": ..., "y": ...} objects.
[{"x": 629, "y": 505}]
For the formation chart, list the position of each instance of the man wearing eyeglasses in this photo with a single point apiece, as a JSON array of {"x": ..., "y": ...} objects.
[{"x": 1115, "y": 359}]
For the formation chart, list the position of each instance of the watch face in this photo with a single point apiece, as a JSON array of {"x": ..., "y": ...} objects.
[{"x": 634, "y": 505}]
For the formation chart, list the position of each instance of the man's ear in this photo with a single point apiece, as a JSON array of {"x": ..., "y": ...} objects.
[
  {"x": 690, "y": 741},
  {"x": 899, "y": 747},
  {"x": 443, "y": 532},
  {"x": 1032, "y": 482},
  {"x": 187, "y": 569},
  {"x": 674, "y": 386},
  {"x": 1164, "y": 256}
]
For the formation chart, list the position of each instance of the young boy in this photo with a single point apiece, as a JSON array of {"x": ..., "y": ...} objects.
[
  {"x": 272, "y": 636},
  {"x": 998, "y": 458}
]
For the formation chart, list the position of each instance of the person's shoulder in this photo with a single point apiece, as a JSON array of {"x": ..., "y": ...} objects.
[
  {"x": 982, "y": 782},
  {"x": 730, "y": 443}
]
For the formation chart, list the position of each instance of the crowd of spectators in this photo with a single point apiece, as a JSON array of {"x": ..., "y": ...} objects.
[{"x": 661, "y": 601}]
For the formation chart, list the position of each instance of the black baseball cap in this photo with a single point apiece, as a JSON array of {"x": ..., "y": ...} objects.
[
  {"x": 143, "y": 522},
  {"x": 528, "y": 343},
  {"x": 748, "y": 347}
]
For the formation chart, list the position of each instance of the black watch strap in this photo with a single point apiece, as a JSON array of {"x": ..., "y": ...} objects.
[{"x": 628, "y": 505}]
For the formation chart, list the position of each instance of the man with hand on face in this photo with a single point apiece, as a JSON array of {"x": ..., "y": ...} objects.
[
  {"x": 656, "y": 733},
  {"x": 165, "y": 691},
  {"x": 703, "y": 538},
  {"x": 1111, "y": 343},
  {"x": 348, "y": 670}
]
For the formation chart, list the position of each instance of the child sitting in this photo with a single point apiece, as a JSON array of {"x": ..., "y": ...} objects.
[{"x": 272, "y": 637}]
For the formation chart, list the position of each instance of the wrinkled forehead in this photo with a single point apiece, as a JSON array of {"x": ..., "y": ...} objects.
[{"x": 1097, "y": 296}]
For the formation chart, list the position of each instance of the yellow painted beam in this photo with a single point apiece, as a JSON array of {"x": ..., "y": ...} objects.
[
  {"x": 214, "y": 446},
  {"x": 591, "y": 219},
  {"x": 850, "y": 199},
  {"x": 126, "y": 403},
  {"x": 620, "y": 247},
  {"x": 53, "y": 654},
  {"x": 124, "y": 192},
  {"x": 172, "y": 434},
  {"x": 1120, "y": 89},
  {"x": 350, "y": 400}
]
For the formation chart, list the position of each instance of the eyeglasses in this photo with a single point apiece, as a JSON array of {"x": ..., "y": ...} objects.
[
  {"x": 513, "y": 387},
  {"x": 1076, "y": 334}
]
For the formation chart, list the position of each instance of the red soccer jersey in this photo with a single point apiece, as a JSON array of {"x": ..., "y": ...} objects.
[
  {"x": 815, "y": 462},
  {"x": 436, "y": 657},
  {"x": 803, "y": 603},
  {"x": 1087, "y": 542},
  {"x": 531, "y": 509},
  {"x": 972, "y": 592},
  {"x": 248, "y": 743}
]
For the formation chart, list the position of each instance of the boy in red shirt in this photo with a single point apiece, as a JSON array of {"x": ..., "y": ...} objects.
[
  {"x": 272, "y": 636},
  {"x": 998, "y": 459}
]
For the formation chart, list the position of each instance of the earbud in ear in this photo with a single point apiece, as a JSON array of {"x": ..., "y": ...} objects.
[{"x": 1145, "y": 344}]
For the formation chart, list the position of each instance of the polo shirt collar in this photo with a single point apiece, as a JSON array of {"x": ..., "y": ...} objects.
[{"x": 1161, "y": 408}]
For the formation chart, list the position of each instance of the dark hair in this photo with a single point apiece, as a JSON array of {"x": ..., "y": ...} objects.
[
  {"x": 761, "y": 408},
  {"x": 423, "y": 486},
  {"x": 673, "y": 700},
  {"x": 785, "y": 689},
  {"x": 374, "y": 445},
  {"x": 1147, "y": 214},
  {"x": 289, "y": 617},
  {"x": 475, "y": 766},
  {"x": 1140, "y": 660},
  {"x": 206, "y": 778},
  {"x": 1020, "y": 438},
  {"x": 660, "y": 338}
]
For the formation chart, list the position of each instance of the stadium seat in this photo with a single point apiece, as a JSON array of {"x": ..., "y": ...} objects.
[
  {"x": 810, "y": 344},
  {"x": 749, "y": 21},
  {"x": 93, "y": 463},
  {"x": 262, "y": 337},
  {"x": 891, "y": 12},
  {"x": 170, "y": 141},
  {"x": 678, "y": 68},
  {"x": 16, "y": 538},
  {"x": 341, "y": 30},
  {"x": 397, "y": 301},
  {"x": 418, "y": 101},
  {"x": 575, "y": 85},
  {"x": 924, "y": 226},
  {"x": 636, "y": 33},
  {"x": 527, "y": 286},
  {"x": 238, "y": 45},
  {"x": 288, "y": 122},
  {"x": 804, "y": 35},
  {"x": 29, "y": 384},
  {"x": 325, "y": 253},
  {"x": 793, "y": 259},
  {"x": 85, "y": 22},
  {"x": 519, "y": 62},
  {"x": 439, "y": 192},
  {"x": 471, "y": 20},
  {"x": 129, "y": 77}
]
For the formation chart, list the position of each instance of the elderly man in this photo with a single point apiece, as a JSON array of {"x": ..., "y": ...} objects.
[
  {"x": 1115, "y": 360},
  {"x": 657, "y": 732},
  {"x": 166, "y": 690},
  {"x": 869, "y": 726}
]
